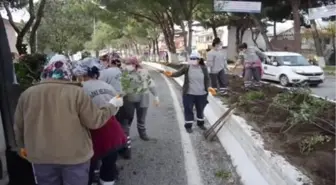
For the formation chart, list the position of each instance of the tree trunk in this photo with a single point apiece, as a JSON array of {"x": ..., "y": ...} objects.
[
  {"x": 185, "y": 38},
  {"x": 150, "y": 47},
  {"x": 153, "y": 46},
  {"x": 21, "y": 32},
  {"x": 136, "y": 48},
  {"x": 20, "y": 38},
  {"x": 315, "y": 34},
  {"x": 237, "y": 37},
  {"x": 214, "y": 31},
  {"x": 274, "y": 30},
  {"x": 254, "y": 36},
  {"x": 241, "y": 35},
  {"x": 190, "y": 34},
  {"x": 157, "y": 46},
  {"x": 295, "y": 4},
  {"x": 317, "y": 39},
  {"x": 169, "y": 39},
  {"x": 262, "y": 30},
  {"x": 39, "y": 15},
  {"x": 334, "y": 43},
  {"x": 167, "y": 27}
]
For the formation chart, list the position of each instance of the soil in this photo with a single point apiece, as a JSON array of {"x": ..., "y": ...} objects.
[{"x": 269, "y": 121}]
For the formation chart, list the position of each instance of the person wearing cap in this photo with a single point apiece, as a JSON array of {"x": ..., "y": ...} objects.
[
  {"x": 51, "y": 123},
  {"x": 250, "y": 58},
  {"x": 216, "y": 60},
  {"x": 137, "y": 85},
  {"x": 195, "y": 90},
  {"x": 110, "y": 138}
]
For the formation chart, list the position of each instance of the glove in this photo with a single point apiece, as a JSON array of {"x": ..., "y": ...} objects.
[
  {"x": 23, "y": 153},
  {"x": 156, "y": 101},
  {"x": 168, "y": 73},
  {"x": 117, "y": 101},
  {"x": 212, "y": 91}
]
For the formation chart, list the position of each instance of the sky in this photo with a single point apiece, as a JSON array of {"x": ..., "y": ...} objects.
[{"x": 18, "y": 15}]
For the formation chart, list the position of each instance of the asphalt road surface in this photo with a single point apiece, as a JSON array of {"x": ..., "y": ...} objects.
[
  {"x": 174, "y": 157},
  {"x": 327, "y": 89}
]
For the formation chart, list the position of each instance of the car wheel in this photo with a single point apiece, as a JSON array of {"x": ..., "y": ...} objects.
[
  {"x": 284, "y": 81},
  {"x": 314, "y": 85}
]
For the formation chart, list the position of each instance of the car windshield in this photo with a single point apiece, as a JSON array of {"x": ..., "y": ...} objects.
[{"x": 293, "y": 61}]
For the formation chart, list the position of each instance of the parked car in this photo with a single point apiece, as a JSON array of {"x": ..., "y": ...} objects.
[{"x": 291, "y": 68}]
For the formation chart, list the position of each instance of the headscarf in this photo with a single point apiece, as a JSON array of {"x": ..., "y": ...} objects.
[
  {"x": 84, "y": 66},
  {"x": 58, "y": 68},
  {"x": 133, "y": 61},
  {"x": 115, "y": 55}
]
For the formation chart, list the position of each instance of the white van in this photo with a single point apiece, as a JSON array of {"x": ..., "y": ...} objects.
[{"x": 291, "y": 68}]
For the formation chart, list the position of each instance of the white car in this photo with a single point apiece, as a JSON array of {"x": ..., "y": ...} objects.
[{"x": 291, "y": 68}]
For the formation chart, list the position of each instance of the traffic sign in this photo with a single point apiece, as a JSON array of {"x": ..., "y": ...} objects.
[{"x": 236, "y": 6}]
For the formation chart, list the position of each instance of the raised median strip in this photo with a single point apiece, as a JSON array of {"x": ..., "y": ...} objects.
[{"x": 255, "y": 164}]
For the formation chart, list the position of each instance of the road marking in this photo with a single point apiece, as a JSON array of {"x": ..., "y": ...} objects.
[{"x": 190, "y": 161}]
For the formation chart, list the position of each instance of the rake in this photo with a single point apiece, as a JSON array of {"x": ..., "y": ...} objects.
[{"x": 218, "y": 125}]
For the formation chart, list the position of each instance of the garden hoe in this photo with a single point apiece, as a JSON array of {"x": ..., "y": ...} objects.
[{"x": 218, "y": 125}]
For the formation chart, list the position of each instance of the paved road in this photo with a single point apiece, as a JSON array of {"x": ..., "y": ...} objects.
[
  {"x": 174, "y": 157},
  {"x": 327, "y": 89}
]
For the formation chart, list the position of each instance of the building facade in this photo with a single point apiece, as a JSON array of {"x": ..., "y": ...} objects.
[{"x": 11, "y": 35}]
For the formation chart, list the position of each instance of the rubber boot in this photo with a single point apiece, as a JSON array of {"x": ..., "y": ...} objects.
[
  {"x": 188, "y": 127},
  {"x": 126, "y": 152},
  {"x": 143, "y": 135},
  {"x": 200, "y": 124}
]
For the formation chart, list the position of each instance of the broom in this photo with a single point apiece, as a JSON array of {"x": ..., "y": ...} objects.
[{"x": 218, "y": 125}]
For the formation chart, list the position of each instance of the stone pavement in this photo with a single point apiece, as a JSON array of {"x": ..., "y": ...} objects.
[{"x": 162, "y": 160}]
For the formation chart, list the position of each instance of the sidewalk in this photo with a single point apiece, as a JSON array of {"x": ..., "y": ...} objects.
[{"x": 172, "y": 156}]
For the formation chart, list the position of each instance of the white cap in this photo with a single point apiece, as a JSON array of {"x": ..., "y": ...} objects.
[
  {"x": 58, "y": 57},
  {"x": 195, "y": 54}
]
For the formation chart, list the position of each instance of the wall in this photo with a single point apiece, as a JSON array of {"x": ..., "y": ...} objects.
[{"x": 11, "y": 36}]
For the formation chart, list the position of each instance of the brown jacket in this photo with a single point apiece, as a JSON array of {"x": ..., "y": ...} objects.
[{"x": 52, "y": 120}]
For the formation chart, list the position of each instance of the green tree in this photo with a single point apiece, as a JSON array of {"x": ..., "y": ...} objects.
[
  {"x": 210, "y": 20},
  {"x": 158, "y": 12},
  {"x": 103, "y": 35},
  {"x": 65, "y": 27},
  {"x": 35, "y": 11}
]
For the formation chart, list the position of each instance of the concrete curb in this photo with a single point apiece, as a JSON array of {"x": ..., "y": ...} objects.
[{"x": 255, "y": 164}]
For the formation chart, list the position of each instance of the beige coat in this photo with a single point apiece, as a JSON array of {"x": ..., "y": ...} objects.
[{"x": 52, "y": 120}]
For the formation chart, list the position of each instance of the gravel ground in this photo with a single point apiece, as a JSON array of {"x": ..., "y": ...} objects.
[{"x": 161, "y": 161}]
